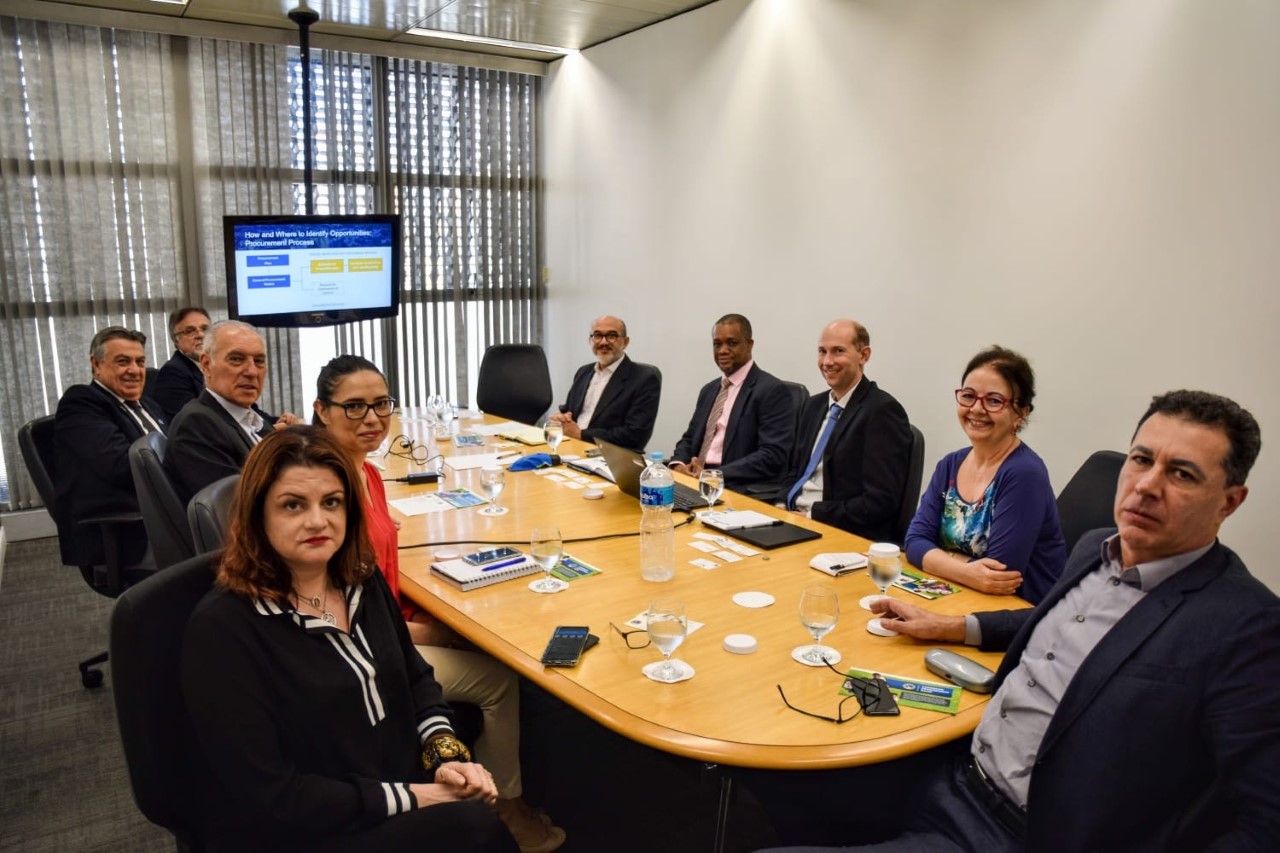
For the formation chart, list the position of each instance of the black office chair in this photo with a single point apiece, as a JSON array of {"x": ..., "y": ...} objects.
[
  {"x": 147, "y": 627},
  {"x": 36, "y": 441},
  {"x": 911, "y": 492},
  {"x": 163, "y": 512},
  {"x": 799, "y": 395},
  {"x": 209, "y": 514},
  {"x": 1087, "y": 502},
  {"x": 515, "y": 382}
]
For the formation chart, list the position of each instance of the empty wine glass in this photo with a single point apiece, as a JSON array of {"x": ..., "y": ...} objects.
[
  {"x": 439, "y": 414},
  {"x": 711, "y": 483},
  {"x": 819, "y": 610},
  {"x": 553, "y": 431},
  {"x": 884, "y": 566},
  {"x": 667, "y": 627},
  {"x": 547, "y": 548},
  {"x": 492, "y": 480}
]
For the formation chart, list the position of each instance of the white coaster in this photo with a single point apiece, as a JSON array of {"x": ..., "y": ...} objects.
[
  {"x": 740, "y": 644},
  {"x": 875, "y": 626},
  {"x": 832, "y": 656},
  {"x": 865, "y": 601},
  {"x": 560, "y": 586},
  {"x": 683, "y": 671},
  {"x": 593, "y": 494},
  {"x": 441, "y": 556},
  {"x": 753, "y": 599}
]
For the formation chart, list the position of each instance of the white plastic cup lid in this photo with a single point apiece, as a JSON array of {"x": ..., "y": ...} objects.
[
  {"x": 884, "y": 549},
  {"x": 740, "y": 644}
]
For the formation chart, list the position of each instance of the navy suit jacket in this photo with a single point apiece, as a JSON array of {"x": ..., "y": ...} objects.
[
  {"x": 1169, "y": 733},
  {"x": 864, "y": 465},
  {"x": 205, "y": 445},
  {"x": 759, "y": 435},
  {"x": 91, "y": 476},
  {"x": 179, "y": 382},
  {"x": 628, "y": 407}
]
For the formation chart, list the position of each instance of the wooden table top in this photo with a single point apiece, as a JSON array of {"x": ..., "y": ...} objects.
[{"x": 730, "y": 711}]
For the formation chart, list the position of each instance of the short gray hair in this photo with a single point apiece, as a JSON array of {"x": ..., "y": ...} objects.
[
  {"x": 98, "y": 346},
  {"x": 211, "y": 337}
]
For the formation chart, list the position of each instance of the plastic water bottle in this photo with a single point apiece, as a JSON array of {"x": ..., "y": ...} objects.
[{"x": 657, "y": 534}]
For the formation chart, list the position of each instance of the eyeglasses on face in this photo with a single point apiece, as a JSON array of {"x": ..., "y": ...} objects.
[
  {"x": 865, "y": 690},
  {"x": 191, "y": 330},
  {"x": 635, "y": 639},
  {"x": 991, "y": 402},
  {"x": 357, "y": 409},
  {"x": 611, "y": 337}
]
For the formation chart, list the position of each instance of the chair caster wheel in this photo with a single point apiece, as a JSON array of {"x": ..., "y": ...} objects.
[{"x": 91, "y": 678}]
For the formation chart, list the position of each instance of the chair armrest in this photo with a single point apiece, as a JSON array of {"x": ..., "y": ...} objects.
[{"x": 109, "y": 524}]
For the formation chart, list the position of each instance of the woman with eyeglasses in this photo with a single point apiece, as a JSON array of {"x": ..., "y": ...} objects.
[
  {"x": 320, "y": 726},
  {"x": 354, "y": 404},
  {"x": 988, "y": 518}
]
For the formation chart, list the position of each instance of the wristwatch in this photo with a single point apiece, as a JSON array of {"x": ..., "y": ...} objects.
[{"x": 443, "y": 748}]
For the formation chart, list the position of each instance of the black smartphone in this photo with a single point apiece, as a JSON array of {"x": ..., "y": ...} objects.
[
  {"x": 492, "y": 555},
  {"x": 877, "y": 702},
  {"x": 567, "y": 644}
]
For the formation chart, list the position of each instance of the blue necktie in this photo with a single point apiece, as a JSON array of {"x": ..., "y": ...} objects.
[{"x": 832, "y": 417}]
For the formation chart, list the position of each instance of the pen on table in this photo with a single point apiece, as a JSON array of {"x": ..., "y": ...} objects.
[{"x": 504, "y": 563}]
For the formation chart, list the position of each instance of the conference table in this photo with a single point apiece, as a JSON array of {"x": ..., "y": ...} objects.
[{"x": 730, "y": 712}]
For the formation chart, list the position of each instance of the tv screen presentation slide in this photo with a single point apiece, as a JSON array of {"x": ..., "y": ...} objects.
[{"x": 285, "y": 268}]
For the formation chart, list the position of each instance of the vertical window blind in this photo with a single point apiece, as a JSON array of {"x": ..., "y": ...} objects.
[{"x": 120, "y": 153}]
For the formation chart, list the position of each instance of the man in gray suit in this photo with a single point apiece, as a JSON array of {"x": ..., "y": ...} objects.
[{"x": 212, "y": 435}]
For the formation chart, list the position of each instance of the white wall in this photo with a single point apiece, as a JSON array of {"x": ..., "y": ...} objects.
[{"x": 1092, "y": 182}]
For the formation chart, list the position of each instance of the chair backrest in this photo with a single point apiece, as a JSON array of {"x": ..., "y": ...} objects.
[
  {"x": 209, "y": 513},
  {"x": 35, "y": 440},
  {"x": 163, "y": 513},
  {"x": 1087, "y": 501},
  {"x": 514, "y": 382},
  {"x": 147, "y": 627},
  {"x": 799, "y": 394},
  {"x": 911, "y": 491}
]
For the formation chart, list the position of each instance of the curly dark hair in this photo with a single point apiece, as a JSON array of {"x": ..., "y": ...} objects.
[
  {"x": 250, "y": 566},
  {"x": 1014, "y": 369},
  {"x": 1214, "y": 410}
]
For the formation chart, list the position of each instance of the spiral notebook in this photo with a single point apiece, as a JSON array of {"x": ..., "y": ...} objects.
[{"x": 466, "y": 576}]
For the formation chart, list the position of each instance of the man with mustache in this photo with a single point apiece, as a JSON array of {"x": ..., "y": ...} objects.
[
  {"x": 1136, "y": 705},
  {"x": 614, "y": 398}
]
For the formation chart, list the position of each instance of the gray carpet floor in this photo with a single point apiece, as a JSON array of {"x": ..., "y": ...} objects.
[{"x": 63, "y": 783}]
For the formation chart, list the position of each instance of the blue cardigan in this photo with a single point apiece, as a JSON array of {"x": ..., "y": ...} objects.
[{"x": 1025, "y": 533}]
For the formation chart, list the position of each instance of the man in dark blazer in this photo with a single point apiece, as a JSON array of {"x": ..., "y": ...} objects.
[
  {"x": 1136, "y": 707},
  {"x": 853, "y": 443},
  {"x": 750, "y": 436},
  {"x": 93, "y": 428},
  {"x": 180, "y": 380},
  {"x": 212, "y": 435},
  {"x": 613, "y": 398}
]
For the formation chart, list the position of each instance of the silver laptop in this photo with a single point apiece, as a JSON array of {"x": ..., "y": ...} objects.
[{"x": 624, "y": 468}]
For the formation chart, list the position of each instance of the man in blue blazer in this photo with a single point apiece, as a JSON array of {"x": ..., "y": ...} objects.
[
  {"x": 745, "y": 421},
  {"x": 93, "y": 428},
  {"x": 1137, "y": 706},
  {"x": 853, "y": 443},
  {"x": 613, "y": 398}
]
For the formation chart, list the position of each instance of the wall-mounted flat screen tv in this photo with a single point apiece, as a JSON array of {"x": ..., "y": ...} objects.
[{"x": 312, "y": 270}]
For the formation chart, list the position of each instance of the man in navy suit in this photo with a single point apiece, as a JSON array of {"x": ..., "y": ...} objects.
[
  {"x": 853, "y": 443},
  {"x": 745, "y": 421},
  {"x": 93, "y": 428},
  {"x": 1136, "y": 707},
  {"x": 180, "y": 380},
  {"x": 212, "y": 435},
  {"x": 613, "y": 398}
]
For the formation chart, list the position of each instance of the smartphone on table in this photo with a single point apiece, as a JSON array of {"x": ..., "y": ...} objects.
[
  {"x": 566, "y": 646},
  {"x": 490, "y": 555}
]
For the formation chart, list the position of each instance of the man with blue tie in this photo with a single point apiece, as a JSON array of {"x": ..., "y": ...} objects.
[
  {"x": 93, "y": 428},
  {"x": 853, "y": 443}
]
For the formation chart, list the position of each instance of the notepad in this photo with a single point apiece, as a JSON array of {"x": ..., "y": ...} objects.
[
  {"x": 466, "y": 576},
  {"x": 525, "y": 435}
]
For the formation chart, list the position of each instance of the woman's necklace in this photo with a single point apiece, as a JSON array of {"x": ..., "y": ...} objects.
[{"x": 319, "y": 603}]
